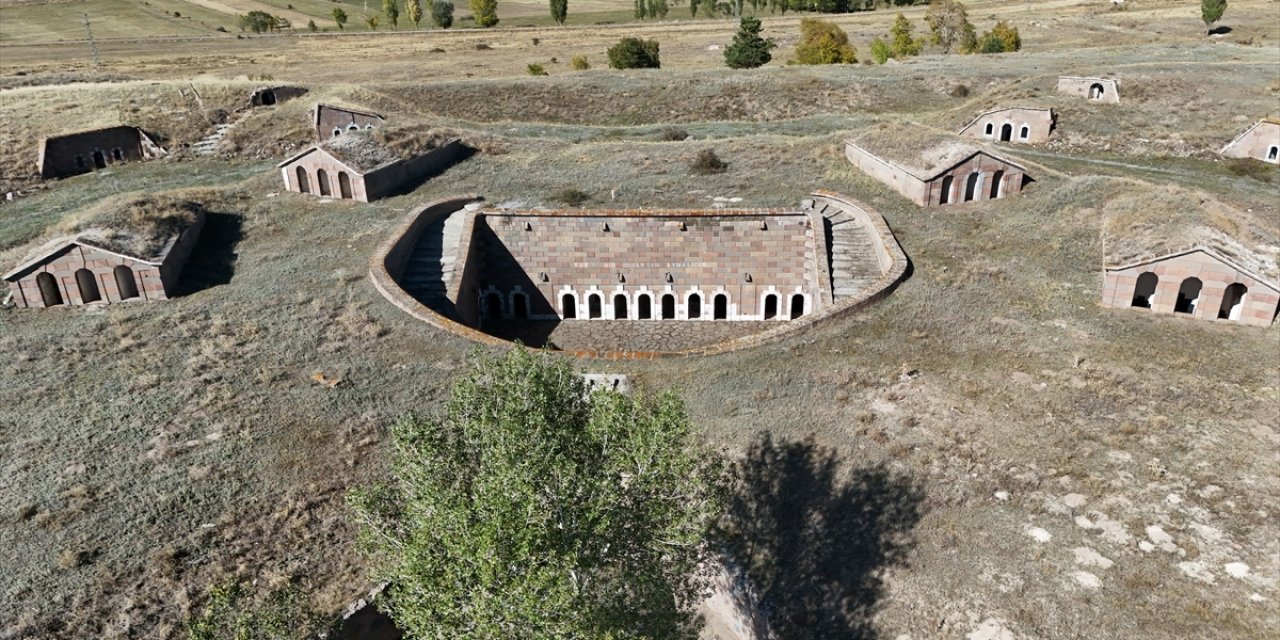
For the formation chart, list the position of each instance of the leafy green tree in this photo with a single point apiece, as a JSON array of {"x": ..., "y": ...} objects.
[
  {"x": 880, "y": 51},
  {"x": 634, "y": 53},
  {"x": 948, "y": 21},
  {"x": 901, "y": 43},
  {"x": 559, "y": 10},
  {"x": 778, "y": 6},
  {"x": 1211, "y": 11},
  {"x": 658, "y": 9},
  {"x": 1000, "y": 38},
  {"x": 640, "y": 9},
  {"x": 372, "y": 22},
  {"x": 413, "y": 11},
  {"x": 485, "y": 12},
  {"x": 340, "y": 17},
  {"x": 823, "y": 42},
  {"x": 258, "y": 22},
  {"x": 442, "y": 14},
  {"x": 748, "y": 50},
  {"x": 312, "y": 26},
  {"x": 391, "y": 9},
  {"x": 534, "y": 510}
]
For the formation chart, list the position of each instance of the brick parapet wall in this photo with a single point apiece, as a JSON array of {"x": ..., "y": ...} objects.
[
  {"x": 1259, "y": 307},
  {"x": 390, "y": 179},
  {"x": 392, "y": 255}
]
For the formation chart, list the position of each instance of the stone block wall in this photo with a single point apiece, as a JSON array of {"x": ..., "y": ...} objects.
[
  {"x": 895, "y": 177},
  {"x": 744, "y": 255},
  {"x": 328, "y": 183},
  {"x": 391, "y": 179},
  {"x": 79, "y": 153},
  {"x": 1257, "y": 307},
  {"x": 1106, "y": 90},
  {"x": 1260, "y": 142},
  {"x": 996, "y": 179},
  {"x": 328, "y": 119},
  {"x": 1009, "y": 125}
]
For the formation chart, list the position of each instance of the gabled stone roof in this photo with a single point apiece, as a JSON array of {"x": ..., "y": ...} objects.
[{"x": 917, "y": 149}]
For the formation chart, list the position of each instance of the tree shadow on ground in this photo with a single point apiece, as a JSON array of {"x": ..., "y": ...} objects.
[
  {"x": 213, "y": 258},
  {"x": 814, "y": 535}
]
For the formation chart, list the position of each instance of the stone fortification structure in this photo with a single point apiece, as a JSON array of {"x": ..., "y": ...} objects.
[
  {"x": 637, "y": 283},
  {"x": 1012, "y": 124},
  {"x": 1260, "y": 142},
  {"x": 268, "y": 96},
  {"x": 77, "y": 153},
  {"x": 359, "y": 167},
  {"x": 332, "y": 122},
  {"x": 933, "y": 169},
  {"x": 1106, "y": 90},
  {"x": 95, "y": 267},
  {"x": 1166, "y": 254}
]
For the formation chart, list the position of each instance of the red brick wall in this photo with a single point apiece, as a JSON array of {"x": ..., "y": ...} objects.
[
  {"x": 987, "y": 167},
  {"x": 331, "y": 118},
  {"x": 63, "y": 268},
  {"x": 313, "y": 163},
  {"x": 713, "y": 253},
  {"x": 1259, "y": 306}
]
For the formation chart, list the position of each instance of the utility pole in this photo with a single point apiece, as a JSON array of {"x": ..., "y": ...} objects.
[{"x": 97, "y": 62}]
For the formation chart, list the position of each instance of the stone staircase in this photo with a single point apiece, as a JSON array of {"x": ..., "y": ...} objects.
[
  {"x": 208, "y": 145},
  {"x": 854, "y": 265},
  {"x": 431, "y": 265}
]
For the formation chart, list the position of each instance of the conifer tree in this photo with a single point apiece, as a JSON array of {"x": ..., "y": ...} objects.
[{"x": 748, "y": 50}]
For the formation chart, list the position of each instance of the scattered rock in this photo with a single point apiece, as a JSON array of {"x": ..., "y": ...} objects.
[
  {"x": 1038, "y": 534},
  {"x": 991, "y": 629},
  {"x": 1074, "y": 500},
  {"x": 1090, "y": 558},
  {"x": 1236, "y": 569},
  {"x": 1197, "y": 570},
  {"x": 1087, "y": 580},
  {"x": 1002, "y": 496}
]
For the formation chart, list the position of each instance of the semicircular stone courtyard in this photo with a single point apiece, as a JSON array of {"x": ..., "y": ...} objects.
[{"x": 636, "y": 283}]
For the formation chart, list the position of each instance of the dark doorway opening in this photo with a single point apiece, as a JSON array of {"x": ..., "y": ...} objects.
[
  {"x": 520, "y": 306},
  {"x": 126, "y": 284},
  {"x": 971, "y": 186},
  {"x": 322, "y": 181},
  {"x": 797, "y": 306},
  {"x": 770, "y": 307},
  {"x": 99, "y": 160},
  {"x": 668, "y": 307},
  {"x": 720, "y": 307},
  {"x": 304, "y": 181},
  {"x": 568, "y": 306},
  {"x": 1188, "y": 296},
  {"x": 1145, "y": 290},
  {"x": 997, "y": 182},
  {"x": 644, "y": 307},
  {"x": 695, "y": 306},
  {"x": 493, "y": 306},
  {"x": 1232, "y": 302},
  {"x": 344, "y": 185},
  {"x": 1006, "y": 133},
  {"x": 268, "y": 98},
  {"x": 945, "y": 196},
  {"x": 88, "y": 285},
  {"x": 594, "y": 307},
  {"x": 620, "y": 307},
  {"x": 49, "y": 292}
]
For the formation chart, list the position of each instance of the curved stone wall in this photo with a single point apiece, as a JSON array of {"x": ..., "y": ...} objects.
[{"x": 458, "y": 267}]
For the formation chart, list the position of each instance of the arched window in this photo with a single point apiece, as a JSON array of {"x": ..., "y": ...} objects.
[
  {"x": 1006, "y": 132},
  {"x": 1188, "y": 296},
  {"x": 368, "y": 126},
  {"x": 1096, "y": 91},
  {"x": 1024, "y": 132},
  {"x": 695, "y": 306},
  {"x": 720, "y": 307},
  {"x": 1273, "y": 153},
  {"x": 1145, "y": 290},
  {"x": 344, "y": 185},
  {"x": 770, "y": 307},
  {"x": 493, "y": 305},
  {"x": 322, "y": 181},
  {"x": 117, "y": 154},
  {"x": 304, "y": 181},
  {"x": 99, "y": 160},
  {"x": 353, "y": 127},
  {"x": 797, "y": 305},
  {"x": 945, "y": 196},
  {"x": 594, "y": 307},
  {"x": 668, "y": 307},
  {"x": 519, "y": 305},
  {"x": 337, "y": 132},
  {"x": 126, "y": 284},
  {"x": 568, "y": 306},
  {"x": 88, "y": 286},
  {"x": 989, "y": 130},
  {"x": 1232, "y": 302},
  {"x": 49, "y": 291},
  {"x": 997, "y": 184},
  {"x": 644, "y": 307},
  {"x": 972, "y": 186},
  {"x": 620, "y": 307}
]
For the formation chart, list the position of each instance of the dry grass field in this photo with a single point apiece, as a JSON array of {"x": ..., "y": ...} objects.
[{"x": 987, "y": 454}]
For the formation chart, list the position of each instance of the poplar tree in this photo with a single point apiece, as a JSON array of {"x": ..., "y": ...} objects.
[
  {"x": 413, "y": 10},
  {"x": 559, "y": 10},
  {"x": 485, "y": 12},
  {"x": 391, "y": 10}
]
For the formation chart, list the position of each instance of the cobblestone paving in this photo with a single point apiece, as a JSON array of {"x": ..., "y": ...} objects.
[{"x": 624, "y": 335}]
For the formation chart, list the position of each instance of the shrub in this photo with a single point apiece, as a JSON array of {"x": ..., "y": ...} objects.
[
  {"x": 535, "y": 41},
  {"x": 999, "y": 39},
  {"x": 671, "y": 134},
  {"x": 903, "y": 44},
  {"x": 480, "y": 46},
  {"x": 960, "y": 91},
  {"x": 485, "y": 12},
  {"x": 571, "y": 197},
  {"x": 579, "y": 63},
  {"x": 536, "y": 69},
  {"x": 880, "y": 51},
  {"x": 442, "y": 14},
  {"x": 823, "y": 43},
  {"x": 634, "y": 53},
  {"x": 748, "y": 50},
  {"x": 707, "y": 162}
]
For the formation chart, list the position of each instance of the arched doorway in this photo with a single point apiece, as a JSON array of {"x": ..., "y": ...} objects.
[
  {"x": 694, "y": 306},
  {"x": 49, "y": 292},
  {"x": 945, "y": 196},
  {"x": 1096, "y": 91},
  {"x": 493, "y": 306},
  {"x": 117, "y": 155},
  {"x": 1145, "y": 290},
  {"x": 668, "y": 307},
  {"x": 519, "y": 306},
  {"x": 997, "y": 184},
  {"x": 322, "y": 182},
  {"x": 720, "y": 307},
  {"x": 304, "y": 181},
  {"x": 268, "y": 98},
  {"x": 594, "y": 308},
  {"x": 1232, "y": 302},
  {"x": 770, "y": 307},
  {"x": 88, "y": 286},
  {"x": 568, "y": 306},
  {"x": 344, "y": 185},
  {"x": 1188, "y": 296},
  {"x": 644, "y": 306},
  {"x": 126, "y": 284},
  {"x": 99, "y": 160},
  {"x": 797, "y": 306},
  {"x": 1273, "y": 153},
  {"x": 972, "y": 186},
  {"x": 620, "y": 307},
  {"x": 990, "y": 129},
  {"x": 1006, "y": 133}
]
